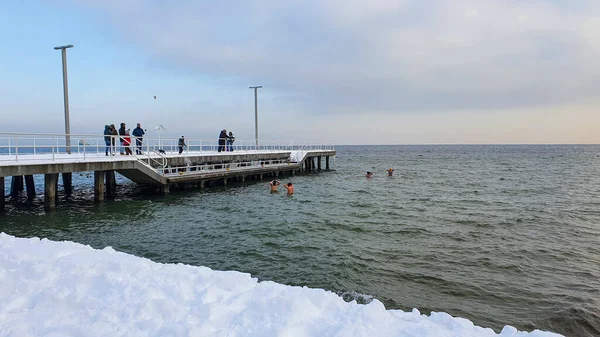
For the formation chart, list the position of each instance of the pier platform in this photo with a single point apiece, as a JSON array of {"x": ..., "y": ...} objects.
[{"x": 158, "y": 164}]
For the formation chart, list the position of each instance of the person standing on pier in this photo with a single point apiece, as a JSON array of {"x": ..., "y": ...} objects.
[
  {"x": 181, "y": 144},
  {"x": 138, "y": 133},
  {"x": 107, "y": 134},
  {"x": 222, "y": 138},
  {"x": 127, "y": 143},
  {"x": 115, "y": 135},
  {"x": 230, "y": 140},
  {"x": 122, "y": 131}
]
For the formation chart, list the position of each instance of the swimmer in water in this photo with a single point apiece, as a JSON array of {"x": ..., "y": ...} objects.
[
  {"x": 390, "y": 171},
  {"x": 290, "y": 188},
  {"x": 274, "y": 185},
  {"x": 369, "y": 174}
]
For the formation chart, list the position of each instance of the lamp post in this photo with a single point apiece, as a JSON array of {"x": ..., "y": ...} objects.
[
  {"x": 63, "y": 50},
  {"x": 256, "y": 113}
]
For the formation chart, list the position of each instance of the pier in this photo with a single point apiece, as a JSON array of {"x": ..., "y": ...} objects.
[{"x": 160, "y": 165}]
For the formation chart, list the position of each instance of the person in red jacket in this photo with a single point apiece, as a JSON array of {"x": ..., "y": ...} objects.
[{"x": 127, "y": 143}]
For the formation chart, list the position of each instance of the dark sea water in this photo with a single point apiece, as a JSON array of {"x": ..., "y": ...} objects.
[{"x": 496, "y": 234}]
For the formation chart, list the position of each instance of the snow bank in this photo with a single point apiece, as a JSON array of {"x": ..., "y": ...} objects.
[{"x": 66, "y": 289}]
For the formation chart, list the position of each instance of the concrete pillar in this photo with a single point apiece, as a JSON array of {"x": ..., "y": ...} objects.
[
  {"x": 201, "y": 184},
  {"x": 30, "y": 187},
  {"x": 111, "y": 185},
  {"x": 312, "y": 163},
  {"x": 224, "y": 181},
  {"x": 261, "y": 176},
  {"x": 99, "y": 185},
  {"x": 50, "y": 180},
  {"x": 319, "y": 163},
  {"x": 16, "y": 186},
  {"x": 1, "y": 195},
  {"x": 243, "y": 178},
  {"x": 67, "y": 179},
  {"x": 327, "y": 162}
]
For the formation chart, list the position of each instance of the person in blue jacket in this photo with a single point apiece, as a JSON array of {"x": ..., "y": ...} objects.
[
  {"x": 138, "y": 133},
  {"x": 107, "y": 134}
]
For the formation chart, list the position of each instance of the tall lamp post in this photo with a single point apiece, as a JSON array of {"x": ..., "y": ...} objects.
[
  {"x": 256, "y": 113},
  {"x": 63, "y": 50}
]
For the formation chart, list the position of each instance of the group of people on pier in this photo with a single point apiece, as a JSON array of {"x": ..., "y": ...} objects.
[
  {"x": 226, "y": 141},
  {"x": 111, "y": 134},
  {"x": 123, "y": 134}
]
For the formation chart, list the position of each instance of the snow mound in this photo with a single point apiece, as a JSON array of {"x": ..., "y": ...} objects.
[{"x": 67, "y": 289}]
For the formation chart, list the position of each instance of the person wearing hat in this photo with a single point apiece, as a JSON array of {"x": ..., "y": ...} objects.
[
  {"x": 222, "y": 138},
  {"x": 181, "y": 144},
  {"x": 230, "y": 140}
]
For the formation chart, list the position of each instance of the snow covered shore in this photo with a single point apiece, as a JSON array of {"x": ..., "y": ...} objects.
[{"x": 66, "y": 289}]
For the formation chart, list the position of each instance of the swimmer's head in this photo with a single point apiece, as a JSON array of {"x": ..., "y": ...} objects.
[{"x": 289, "y": 184}]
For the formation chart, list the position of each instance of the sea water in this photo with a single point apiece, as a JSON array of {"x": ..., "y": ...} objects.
[{"x": 496, "y": 234}]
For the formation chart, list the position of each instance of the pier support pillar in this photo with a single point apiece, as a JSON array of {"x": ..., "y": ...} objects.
[
  {"x": 243, "y": 178},
  {"x": 67, "y": 179},
  {"x": 30, "y": 187},
  {"x": 164, "y": 189},
  {"x": 224, "y": 181},
  {"x": 50, "y": 180},
  {"x": 2, "y": 195},
  {"x": 260, "y": 176},
  {"x": 99, "y": 185},
  {"x": 16, "y": 186},
  {"x": 312, "y": 163},
  {"x": 201, "y": 184},
  {"x": 111, "y": 185},
  {"x": 319, "y": 163},
  {"x": 327, "y": 162}
]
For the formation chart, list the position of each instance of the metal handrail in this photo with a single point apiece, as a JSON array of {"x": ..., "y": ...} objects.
[
  {"x": 231, "y": 166},
  {"x": 33, "y": 146}
]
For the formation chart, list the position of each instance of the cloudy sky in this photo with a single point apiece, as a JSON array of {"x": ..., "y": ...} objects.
[{"x": 343, "y": 71}]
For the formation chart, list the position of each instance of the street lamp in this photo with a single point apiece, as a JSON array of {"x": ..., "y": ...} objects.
[
  {"x": 63, "y": 50},
  {"x": 256, "y": 113}
]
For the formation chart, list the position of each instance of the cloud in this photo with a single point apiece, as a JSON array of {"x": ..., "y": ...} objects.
[{"x": 403, "y": 55}]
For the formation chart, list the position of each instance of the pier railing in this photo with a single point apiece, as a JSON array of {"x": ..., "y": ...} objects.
[{"x": 47, "y": 146}]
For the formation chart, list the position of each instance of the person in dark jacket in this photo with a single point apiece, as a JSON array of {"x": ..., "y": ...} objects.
[
  {"x": 122, "y": 131},
  {"x": 181, "y": 144},
  {"x": 230, "y": 140},
  {"x": 107, "y": 134},
  {"x": 222, "y": 138},
  {"x": 138, "y": 133},
  {"x": 115, "y": 134}
]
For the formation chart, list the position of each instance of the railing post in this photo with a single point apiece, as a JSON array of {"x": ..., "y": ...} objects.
[
  {"x": 9, "y": 148},
  {"x": 16, "y": 147},
  {"x": 34, "y": 149},
  {"x": 52, "y": 148}
]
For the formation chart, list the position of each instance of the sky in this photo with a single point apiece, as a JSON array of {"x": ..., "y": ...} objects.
[{"x": 343, "y": 72}]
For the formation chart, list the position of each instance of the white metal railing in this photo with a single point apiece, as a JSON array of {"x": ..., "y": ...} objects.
[
  {"x": 52, "y": 147},
  {"x": 231, "y": 166}
]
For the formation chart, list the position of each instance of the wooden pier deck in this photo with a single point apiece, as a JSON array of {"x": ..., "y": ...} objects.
[{"x": 154, "y": 168}]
